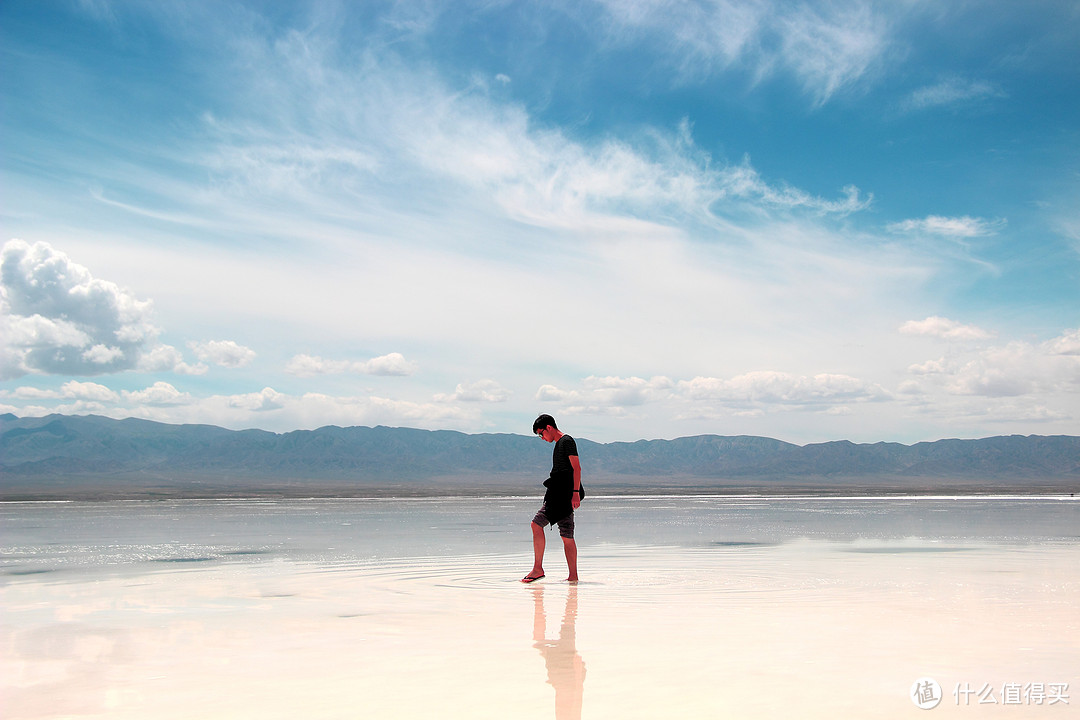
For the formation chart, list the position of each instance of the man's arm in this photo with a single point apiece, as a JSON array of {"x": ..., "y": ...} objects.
[{"x": 575, "y": 499}]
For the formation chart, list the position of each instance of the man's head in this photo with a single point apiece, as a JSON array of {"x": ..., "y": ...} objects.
[{"x": 542, "y": 423}]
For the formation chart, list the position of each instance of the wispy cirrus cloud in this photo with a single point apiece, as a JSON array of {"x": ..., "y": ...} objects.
[
  {"x": 827, "y": 47},
  {"x": 962, "y": 227},
  {"x": 951, "y": 91},
  {"x": 398, "y": 125}
]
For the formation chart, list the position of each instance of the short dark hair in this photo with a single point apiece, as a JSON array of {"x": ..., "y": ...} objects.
[{"x": 542, "y": 422}]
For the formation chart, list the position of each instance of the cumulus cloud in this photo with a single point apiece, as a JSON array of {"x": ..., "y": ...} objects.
[
  {"x": 165, "y": 358},
  {"x": 264, "y": 401},
  {"x": 311, "y": 365},
  {"x": 1067, "y": 344},
  {"x": 551, "y": 393},
  {"x": 57, "y": 318},
  {"x": 480, "y": 391},
  {"x": 60, "y": 319},
  {"x": 950, "y": 227},
  {"x": 627, "y": 391},
  {"x": 930, "y": 367},
  {"x": 71, "y": 390},
  {"x": 937, "y": 326},
  {"x": 1011, "y": 370},
  {"x": 391, "y": 364},
  {"x": 159, "y": 394},
  {"x": 223, "y": 352}
]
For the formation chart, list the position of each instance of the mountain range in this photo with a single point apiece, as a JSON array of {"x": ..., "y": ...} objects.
[{"x": 93, "y": 457}]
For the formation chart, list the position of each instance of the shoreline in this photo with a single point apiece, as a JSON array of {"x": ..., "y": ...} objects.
[{"x": 986, "y": 493}]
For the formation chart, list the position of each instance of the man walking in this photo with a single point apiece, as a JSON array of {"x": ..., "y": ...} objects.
[{"x": 563, "y": 496}]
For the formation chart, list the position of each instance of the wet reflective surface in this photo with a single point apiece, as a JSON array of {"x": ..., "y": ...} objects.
[{"x": 688, "y": 607}]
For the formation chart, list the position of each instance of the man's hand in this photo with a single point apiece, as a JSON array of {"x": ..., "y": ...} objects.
[{"x": 575, "y": 501}]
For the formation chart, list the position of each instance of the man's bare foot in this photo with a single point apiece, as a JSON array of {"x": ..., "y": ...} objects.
[{"x": 572, "y": 579}]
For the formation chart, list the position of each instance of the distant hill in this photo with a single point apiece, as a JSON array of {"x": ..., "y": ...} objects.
[{"x": 61, "y": 456}]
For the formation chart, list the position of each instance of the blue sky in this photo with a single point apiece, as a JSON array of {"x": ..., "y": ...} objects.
[{"x": 809, "y": 221}]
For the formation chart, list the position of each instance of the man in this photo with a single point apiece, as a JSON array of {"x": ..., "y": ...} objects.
[{"x": 563, "y": 496}]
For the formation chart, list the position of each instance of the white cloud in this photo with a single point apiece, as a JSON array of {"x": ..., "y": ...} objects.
[
  {"x": 609, "y": 392},
  {"x": 631, "y": 391},
  {"x": 480, "y": 391},
  {"x": 950, "y": 227},
  {"x": 30, "y": 393},
  {"x": 827, "y": 46},
  {"x": 158, "y": 395},
  {"x": 830, "y": 46},
  {"x": 267, "y": 408},
  {"x": 951, "y": 91},
  {"x": 264, "y": 401},
  {"x": 88, "y": 391},
  {"x": 71, "y": 390},
  {"x": 166, "y": 358},
  {"x": 102, "y": 354},
  {"x": 752, "y": 393},
  {"x": 223, "y": 352},
  {"x": 311, "y": 365},
  {"x": 445, "y": 145},
  {"x": 59, "y": 319},
  {"x": 783, "y": 389},
  {"x": 930, "y": 367},
  {"x": 391, "y": 364},
  {"x": 936, "y": 326},
  {"x": 550, "y": 393},
  {"x": 1067, "y": 344},
  {"x": 285, "y": 169},
  {"x": 1014, "y": 369}
]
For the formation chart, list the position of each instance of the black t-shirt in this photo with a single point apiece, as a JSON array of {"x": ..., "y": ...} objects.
[
  {"x": 560, "y": 459},
  {"x": 560, "y": 485}
]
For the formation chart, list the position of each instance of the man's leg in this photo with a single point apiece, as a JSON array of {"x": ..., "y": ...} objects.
[
  {"x": 570, "y": 548},
  {"x": 538, "y": 551}
]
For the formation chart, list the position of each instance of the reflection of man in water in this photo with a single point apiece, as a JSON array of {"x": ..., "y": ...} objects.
[{"x": 565, "y": 668}]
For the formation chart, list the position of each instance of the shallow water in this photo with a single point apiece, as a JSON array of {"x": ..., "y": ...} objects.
[{"x": 688, "y": 607}]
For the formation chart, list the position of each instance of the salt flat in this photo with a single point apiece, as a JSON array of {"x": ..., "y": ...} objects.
[{"x": 740, "y": 607}]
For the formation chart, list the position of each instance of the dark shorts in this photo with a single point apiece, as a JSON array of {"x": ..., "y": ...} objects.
[{"x": 566, "y": 525}]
